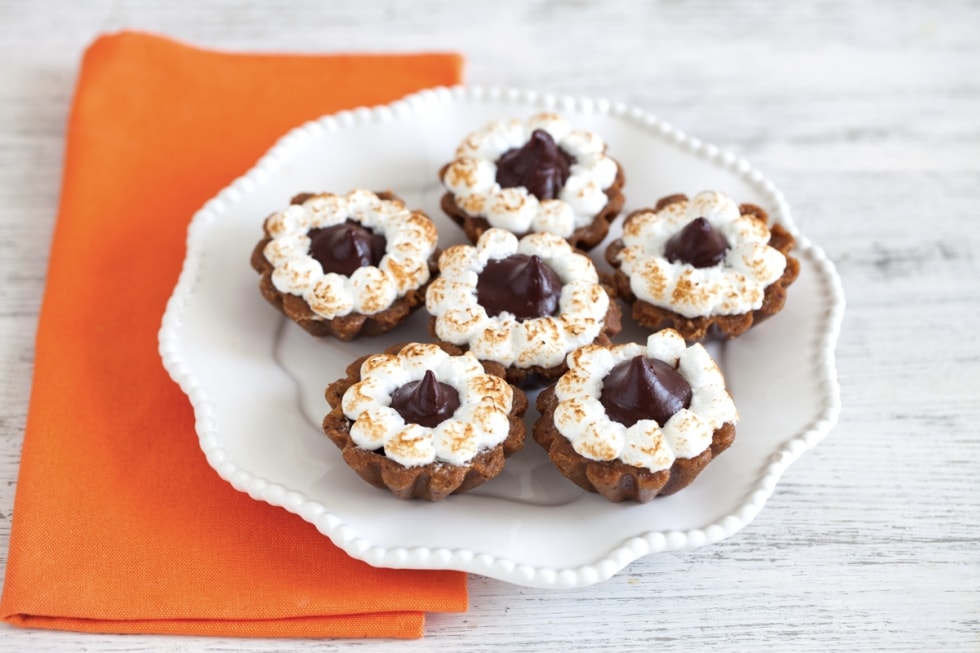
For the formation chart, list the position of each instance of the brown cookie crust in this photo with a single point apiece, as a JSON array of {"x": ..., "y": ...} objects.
[
  {"x": 344, "y": 327},
  {"x": 614, "y": 479},
  {"x": 695, "y": 329},
  {"x": 584, "y": 238},
  {"x": 434, "y": 481}
]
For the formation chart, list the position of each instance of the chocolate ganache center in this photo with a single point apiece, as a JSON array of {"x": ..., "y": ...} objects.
[
  {"x": 539, "y": 165},
  {"x": 345, "y": 247},
  {"x": 698, "y": 243},
  {"x": 644, "y": 388},
  {"x": 426, "y": 402},
  {"x": 519, "y": 284}
]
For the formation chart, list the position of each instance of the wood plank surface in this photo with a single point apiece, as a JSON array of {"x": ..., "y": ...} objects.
[{"x": 866, "y": 115}]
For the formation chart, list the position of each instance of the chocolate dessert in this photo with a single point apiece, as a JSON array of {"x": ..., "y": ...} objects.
[
  {"x": 704, "y": 266},
  {"x": 523, "y": 303},
  {"x": 324, "y": 262},
  {"x": 424, "y": 421},
  {"x": 539, "y": 175},
  {"x": 658, "y": 416}
]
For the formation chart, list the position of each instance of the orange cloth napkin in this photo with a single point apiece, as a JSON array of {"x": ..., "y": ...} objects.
[{"x": 119, "y": 523}]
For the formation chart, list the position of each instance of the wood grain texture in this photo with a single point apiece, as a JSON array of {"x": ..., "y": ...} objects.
[{"x": 866, "y": 115}]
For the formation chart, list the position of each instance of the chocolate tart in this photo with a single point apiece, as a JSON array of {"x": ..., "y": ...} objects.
[
  {"x": 346, "y": 265},
  {"x": 424, "y": 422},
  {"x": 523, "y": 303},
  {"x": 633, "y": 422},
  {"x": 538, "y": 175},
  {"x": 706, "y": 267}
]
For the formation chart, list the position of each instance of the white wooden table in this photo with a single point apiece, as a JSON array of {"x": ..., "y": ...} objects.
[{"x": 867, "y": 115}]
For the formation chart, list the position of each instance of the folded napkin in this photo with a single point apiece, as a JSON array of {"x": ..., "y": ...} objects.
[{"x": 119, "y": 524}]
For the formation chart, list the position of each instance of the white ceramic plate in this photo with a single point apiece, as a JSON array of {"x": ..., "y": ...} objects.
[{"x": 256, "y": 380}]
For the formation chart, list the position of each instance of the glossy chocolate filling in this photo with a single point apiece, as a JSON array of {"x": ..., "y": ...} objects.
[
  {"x": 539, "y": 165},
  {"x": 698, "y": 244},
  {"x": 519, "y": 284},
  {"x": 345, "y": 247},
  {"x": 644, "y": 388},
  {"x": 426, "y": 402}
]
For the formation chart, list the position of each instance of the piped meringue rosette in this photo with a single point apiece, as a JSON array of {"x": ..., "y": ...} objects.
[
  {"x": 585, "y": 315},
  {"x": 415, "y": 461},
  {"x": 748, "y": 284},
  {"x": 588, "y": 200},
  {"x": 647, "y": 459},
  {"x": 370, "y": 300}
]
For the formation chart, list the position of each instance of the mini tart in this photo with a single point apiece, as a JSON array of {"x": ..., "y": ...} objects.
[
  {"x": 369, "y": 301},
  {"x": 529, "y": 349},
  {"x": 721, "y": 301},
  {"x": 645, "y": 460},
  {"x": 414, "y": 461},
  {"x": 589, "y": 199}
]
